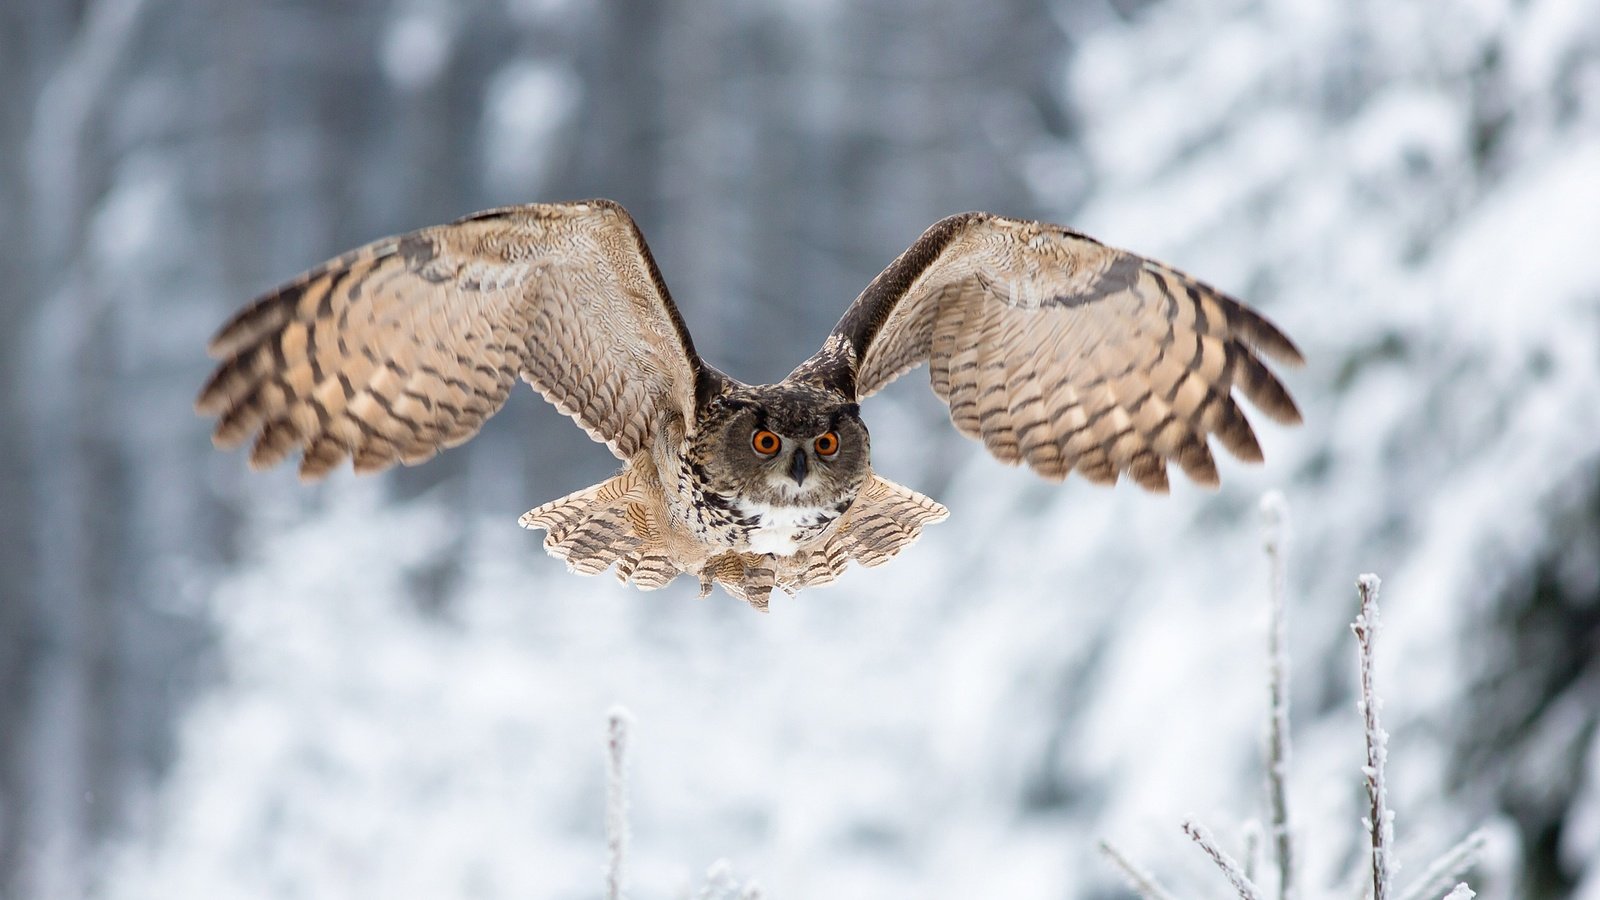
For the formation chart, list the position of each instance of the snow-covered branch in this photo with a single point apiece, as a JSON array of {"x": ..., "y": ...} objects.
[
  {"x": 1143, "y": 883},
  {"x": 1229, "y": 866},
  {"x": 617, "y": 722},
  {"x": 1380, "y": 821},
  {"x": 1275, "y": 520},
  {"x": 1450, "y": 865},
  {"x": 720, "y": 883}
]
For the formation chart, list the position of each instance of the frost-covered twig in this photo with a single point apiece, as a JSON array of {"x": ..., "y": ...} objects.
[
  {"x": 1447, "y": 868},
  {"x": 1381, "y": 820},
  {"x": 719, "y": 881},
  {"x": 1380, "y": 823},
  {"x": 1142, "y": 882},
  {"x": 1230, "y": 867},
  {"x": 1275, "y": 516},
  {"x": 1253, "y": 862},
  {"x": 617, "y": 721},
  {"x": 721, "y": 885},
  {"x": 1461, "y": 892}
]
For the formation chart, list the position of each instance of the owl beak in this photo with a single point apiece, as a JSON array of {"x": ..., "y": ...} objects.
[{"x": 797, "y": 467}]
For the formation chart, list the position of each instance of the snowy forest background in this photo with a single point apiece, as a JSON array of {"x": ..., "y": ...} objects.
[{"x": 221, "y": 684}]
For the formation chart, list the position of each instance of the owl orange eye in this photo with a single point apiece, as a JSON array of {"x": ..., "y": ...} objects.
[
  {"x": 765, "y": 442},
  {"x": 827, "y": 445}
]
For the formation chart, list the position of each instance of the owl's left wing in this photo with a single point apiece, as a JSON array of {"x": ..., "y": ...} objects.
[
  {"x": 1057, "y": 350},
  {"x": 403, "y": 347}
]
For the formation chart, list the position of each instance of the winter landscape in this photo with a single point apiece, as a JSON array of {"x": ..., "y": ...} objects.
[{"x": 219, "y": 683}]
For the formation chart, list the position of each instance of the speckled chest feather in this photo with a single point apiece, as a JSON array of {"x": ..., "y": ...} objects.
[
  {"x": 743, "y": 523},
  {"x": 731, "y": 497}
]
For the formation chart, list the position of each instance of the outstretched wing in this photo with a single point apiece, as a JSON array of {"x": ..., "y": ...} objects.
[
  {"x": 403, "y": 347},
  {"x": 1057, "y": 350}
]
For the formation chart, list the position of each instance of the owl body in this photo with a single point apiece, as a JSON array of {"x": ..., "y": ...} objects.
[
  {"x": 1051, "y": 348},
  {"x": 711, "y": 505}
]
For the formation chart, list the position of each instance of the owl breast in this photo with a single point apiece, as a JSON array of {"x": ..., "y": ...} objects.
[{"x": 782, "y": 530}]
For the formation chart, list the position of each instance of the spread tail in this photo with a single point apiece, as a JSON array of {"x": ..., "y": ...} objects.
[
  {"x": 885, "y": 519},
  {"x": 604, "y": 524}
]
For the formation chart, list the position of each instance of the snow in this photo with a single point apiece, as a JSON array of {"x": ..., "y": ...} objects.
[
  {"x": 529, "y": 105},
  {"x": 1053, "y": 664},
  {"x": 417, "y": 47}
]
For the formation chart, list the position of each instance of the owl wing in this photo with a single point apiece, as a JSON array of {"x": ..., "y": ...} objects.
[
  {"x": 1057, "y": 350},
  {"x": 403, "y": 347}
]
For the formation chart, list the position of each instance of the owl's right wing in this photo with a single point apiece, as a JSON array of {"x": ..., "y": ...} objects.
[
  {"x": 1057, "y": 350},
  {"x": 404, "y": 347}
]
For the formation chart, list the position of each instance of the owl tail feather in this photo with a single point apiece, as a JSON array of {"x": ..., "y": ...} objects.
[
  {"x": 604, "y": 524},
  {"x": 885, "y": 519}
]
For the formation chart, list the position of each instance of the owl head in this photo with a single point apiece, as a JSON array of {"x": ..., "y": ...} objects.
[{"x": 784, "y": 445}]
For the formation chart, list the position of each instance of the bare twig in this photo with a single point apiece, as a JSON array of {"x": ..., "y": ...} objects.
[
  {"x": 1447, "y": 868},
  {"x": 617, "y": 722},
  {"x": 1380, "y": 822},
  {"x": 1230, "y": 867},
  {"x": 1275, "y": 516},
  {"x": 1143, "y": 883}
]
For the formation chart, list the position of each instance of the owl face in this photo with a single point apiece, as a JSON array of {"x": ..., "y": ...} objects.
[{"x": 785, "y": 445}]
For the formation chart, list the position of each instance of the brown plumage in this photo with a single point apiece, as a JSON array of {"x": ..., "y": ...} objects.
[
  {"x": 1059, "y": 351},
  {"x": 1048, "y": 346}
]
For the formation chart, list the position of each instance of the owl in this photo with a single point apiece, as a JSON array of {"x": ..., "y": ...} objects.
[{"x": 1051, "y": 348}]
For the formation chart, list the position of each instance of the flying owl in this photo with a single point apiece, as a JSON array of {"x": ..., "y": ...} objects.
[{"x": 1050, "y": 347}]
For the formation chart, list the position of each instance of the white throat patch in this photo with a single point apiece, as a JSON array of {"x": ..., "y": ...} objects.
[{"x": 780, "y": 530}]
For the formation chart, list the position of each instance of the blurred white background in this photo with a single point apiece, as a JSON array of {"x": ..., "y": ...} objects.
[{"x": 221, "y": 684}]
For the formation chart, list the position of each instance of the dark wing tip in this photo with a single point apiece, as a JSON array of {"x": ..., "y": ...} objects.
[
  {"x": 1149, "y": 471},
  {"x": 1288, "y": 414},
  {"x": 1277, "y": 345},
  {"x": 1196, "y": 461},
  {"x": 235, "y": 333},
  {"x": 1260, "y": 333},
  {"x": 1288, "y": 353},
  {"x": 212, "y": 400},
  {"x": 1265, "y": 391}
]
